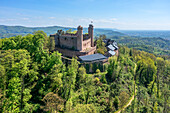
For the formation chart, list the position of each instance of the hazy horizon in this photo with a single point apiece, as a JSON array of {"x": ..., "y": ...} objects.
[{"x": 115, "y": 29}]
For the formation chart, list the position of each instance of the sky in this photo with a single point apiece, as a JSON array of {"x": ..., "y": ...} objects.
[{"x": 116, "y": 14}]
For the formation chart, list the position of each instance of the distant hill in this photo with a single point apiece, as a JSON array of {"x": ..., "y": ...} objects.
[
  {"x": 9, "y": 31},
  {"x": 147, "y": 33}
]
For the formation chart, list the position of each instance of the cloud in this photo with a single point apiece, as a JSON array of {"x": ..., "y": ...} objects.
[
  {"x": 111, "y": 21},
  {"x": 86, "y": 20},
  {"x": 69, "y": 19},
  {"x": 7, "y": 20},
  {"x": 151, "y": 11},
  {"x": 25, "y": 18},
  {"x": 14, "y": 19},
  {"x": 52, "y": 17},
  {"x": 18, "y": 14},
  {"x": 2, "y": 20}
]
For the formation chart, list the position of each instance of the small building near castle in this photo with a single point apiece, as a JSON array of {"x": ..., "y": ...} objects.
[{"x": 78, "y": 44}]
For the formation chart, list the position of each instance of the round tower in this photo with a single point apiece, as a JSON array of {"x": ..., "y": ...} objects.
[
  {"x": 90, "y": 32},
  {"x": 80, "y": 38}
]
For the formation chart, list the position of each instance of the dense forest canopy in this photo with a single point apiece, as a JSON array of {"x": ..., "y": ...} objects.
[
  {"x": 34, "y": 79},
  {"x": 158, "y": 46}
]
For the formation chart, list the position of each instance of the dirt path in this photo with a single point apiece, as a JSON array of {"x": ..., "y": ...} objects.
[{"x": 130, "y": 101}]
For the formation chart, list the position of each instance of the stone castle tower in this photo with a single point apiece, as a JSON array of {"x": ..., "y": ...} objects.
[
  {"x": 80, "y": 38},
  {"x": 90, "y": 32}
]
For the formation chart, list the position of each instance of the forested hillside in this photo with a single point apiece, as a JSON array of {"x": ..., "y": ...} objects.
[
  {"x": 158, "y": 46},
  {"x": 33, "y": 79},
  {"x": 9, "y": 31},
  {"x": 148, "y": 33}
]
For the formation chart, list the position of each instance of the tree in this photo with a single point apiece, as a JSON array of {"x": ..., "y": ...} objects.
[
  {"x": 112, "y": 69},
  {"x": 84, "y": 108},
  {"x": 116, "y": 102},
  {"x": 3, "y": 85},
  {"x": 101, "y": 46},
  {"x": 19, "y": 77},
  {"x": 160, "y": 68},
  {"x": 123, "y": 97},
  {"x": 131, "y": 52},
  {"x": 69, "y": 79},
  {"x": 46, "y": 41},
  {"x": 69, "y": 105},
  {"x": 56, "y": 68},
  {"x": 52, "y": 44},
  {"x": 146, "y": 71},
  {"x": 69, "y": 31},
  {"x": 12, "y": 103},
  {"x": 80, "y": 78},
  {"x": 53, "y": 102}
]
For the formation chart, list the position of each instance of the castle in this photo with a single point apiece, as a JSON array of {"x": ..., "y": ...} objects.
[
  {"x": 78, "y": 44},
  {"x": 82, "y": 46}
]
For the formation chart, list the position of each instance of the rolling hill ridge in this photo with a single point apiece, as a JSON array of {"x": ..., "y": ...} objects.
[{"x": 9, "y": 31}]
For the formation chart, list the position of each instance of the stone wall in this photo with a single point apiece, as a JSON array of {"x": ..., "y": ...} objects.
[
  {"x": 71, "y": 42},
  {"x": 56, "y": 40},
  {"x": 86, "y": 43},
  {"x": 72, "y": 53},
  {"x": 68, "y": 42}
]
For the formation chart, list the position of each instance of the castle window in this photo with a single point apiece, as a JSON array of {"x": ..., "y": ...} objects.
[{"x": 65, "y": 38}]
